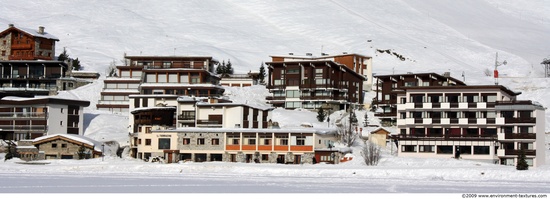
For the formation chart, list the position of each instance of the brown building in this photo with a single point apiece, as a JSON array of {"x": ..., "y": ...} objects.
[
  {"x": 26, "y": 44},
  {"x": 311, "y": 84},
  {"x": 64, "y": 146},
  {"x": 170, "y": 75},
  {"x": 389, "y": 86}
]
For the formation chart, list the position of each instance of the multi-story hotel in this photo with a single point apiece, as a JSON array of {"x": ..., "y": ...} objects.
[
  {"x": 484, "y": 123},
  {"x": 26, "y": 118},
  {"x": 311, "y": 84},
  {"x": 186, "y": 128},
  {"x": 26, "y": 44},
  {"x": 361, "y": 64},
  {"x": 389, "y": 86},
  {"x": 186, "y": 75}
]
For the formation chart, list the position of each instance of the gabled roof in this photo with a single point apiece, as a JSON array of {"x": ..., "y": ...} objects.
[
  {"x": 75, "y": 139},
  {"x": 31, "y": 32}
]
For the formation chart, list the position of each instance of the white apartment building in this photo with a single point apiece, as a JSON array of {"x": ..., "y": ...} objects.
[{"x": 483, "y": 123}]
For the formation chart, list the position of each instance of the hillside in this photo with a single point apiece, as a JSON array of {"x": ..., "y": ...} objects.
[{"x": 431, "y": 35}]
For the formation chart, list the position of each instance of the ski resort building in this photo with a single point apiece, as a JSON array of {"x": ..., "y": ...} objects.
[
  {"x": 193, "y": 129},
  {"x": 310, "y": 84},
  {"x": 483, "y": 123},
  {"x": 27, "y": 118},
  {"x": 178, "y": 75},
  {"x": 388, "y": 87},
  {"x": 360, "y": 64},
  {"x": 26, "y": 44}
]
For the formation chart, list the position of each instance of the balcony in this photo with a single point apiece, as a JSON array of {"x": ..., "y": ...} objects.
[
  {"x": 515, "y": 152},
  {"x": 520, "y": 120},
  {"x": 21, "y": 46},
  {"x": 520, "y": 136},
  {"x": 209, "y": 123},
  {"x": 23, "y": 115},
  {"x": 391, "y": 114},
  {"x": 185, "y": 118},
  {"x": 23, "y": 127},
  {"x": 448, "y": 137}
]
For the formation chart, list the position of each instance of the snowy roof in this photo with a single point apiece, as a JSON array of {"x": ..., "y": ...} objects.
[
  {"x": 153, "y": 108},
  {"x": 186, "y": 99},
  {"x": 78, "y": 138},
  {"x": 35, "y": 33}
]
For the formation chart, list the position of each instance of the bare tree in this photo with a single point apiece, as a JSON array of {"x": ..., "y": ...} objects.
[
  {"x": 346, "y": 133},
  {"x": 371, "y": 153}
]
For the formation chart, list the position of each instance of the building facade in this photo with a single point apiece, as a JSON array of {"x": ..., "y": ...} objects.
[
  {"x": 188, "y": 75},
  {"x": 483, "y": 123},
  {"x": 311, "y": 84},
  {"x": 31, "y": 78},
  {"x": 27, "y": 118},
  {"x": 26, "y": 44},
  {"x": 193, "y": 129},
  {"x": 387, "y": 88},
  {"x": 361, "y": 64}
]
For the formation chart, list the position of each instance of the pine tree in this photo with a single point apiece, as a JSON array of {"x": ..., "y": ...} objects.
[
  {"x": 229, "y": 68},
  {"x": 321, "y": 115},
  {"x": 81, "y": 152},
  {"x": 353, "y": 117},
  {"x": 63, "y": 56},
  {"x": 76, "y": 64},
  {"x": 522, "y": 164},
  {"x": 261, "y": 76},
  {"x": 220, "y": 70}
]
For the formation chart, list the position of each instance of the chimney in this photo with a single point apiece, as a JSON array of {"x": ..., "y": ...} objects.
[
  {"x": 10, "y": 25},
  {"x": 41, "y": 30}
]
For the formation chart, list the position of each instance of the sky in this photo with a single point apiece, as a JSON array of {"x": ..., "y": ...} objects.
[{"x": 438, "y": 36}]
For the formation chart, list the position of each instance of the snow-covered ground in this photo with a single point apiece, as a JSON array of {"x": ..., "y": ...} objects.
[{"x": 461, "y": 37}]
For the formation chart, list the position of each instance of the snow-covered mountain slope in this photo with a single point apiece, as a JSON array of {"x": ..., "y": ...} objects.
[{"x": 461, "y": 37}]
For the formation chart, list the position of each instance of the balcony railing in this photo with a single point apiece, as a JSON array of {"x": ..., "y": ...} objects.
[
  {"x": 23, "y": 115},
  {"x": 185, "y": 117},
  {"x": 209, "y": 123},
  {"x": 520, "y": 120},
  {"x": 23, "y": 127},
  {"x": 444, "y": 137},
  {"x": 530, "y": 136},
  {"x": 516, "y": 152}
]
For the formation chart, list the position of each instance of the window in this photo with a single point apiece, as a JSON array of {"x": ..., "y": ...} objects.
[
  {"x": 481, "y": 150},
  {"x": 319, "y": 72},
  {"x": 54, "y": 145},
  {"x": 235, "y": 141},
  {"x": 426, "y": 148},
  {"x": 265, "y": 157},
  {"x": 187, "y": 115},
  {"x": 147, "y": 142},
  {"x": 267, "y": 142},
  {"x": 465, "y": 150},
  {"x": 147, "y": 129},
  {"x": 61, "y": 110},
  {"x": 215, "y": 141},
  {"x": 293, "y": 93},
  {"x": 60, "y": 123},
  {"x": 139, "y": 141},
  {"x": 166, "y": 64},
  {"x": 293, "y": 71},
  {"x": 3, "y": 53},
  {"x": 445, "y": 149},
  {"x": 186, "y": 141},
  {"x": 200, "y": 141},
  {"x": 524, "y": 114},
  {"x": 408, "y": 148},
  {"x": 63, "y": 145},
  {"x": 293, "y": 104},
  {"x": 283, "y": 139},
  {"x": 300, "y": 140},
  {"x": 507, "y": 114},
  {"x": 251, "y": 141},
  {"x": 164, "y": 143}
]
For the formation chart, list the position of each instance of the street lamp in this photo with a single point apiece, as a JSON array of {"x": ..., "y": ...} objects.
[
  {"x": 102, "y": 152},
  {"x": 496, "y": 65}
]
